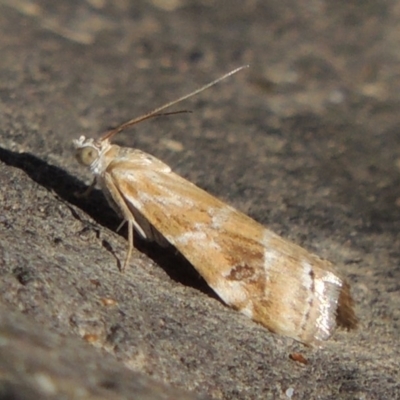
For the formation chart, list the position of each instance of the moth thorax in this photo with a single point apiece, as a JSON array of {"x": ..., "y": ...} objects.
[{"x": 87, "y": 155}]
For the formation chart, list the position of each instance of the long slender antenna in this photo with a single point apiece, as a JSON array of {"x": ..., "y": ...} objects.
[{"x": 156, "y": 111}]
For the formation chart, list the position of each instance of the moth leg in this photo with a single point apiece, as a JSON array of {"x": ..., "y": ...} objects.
[
  {"x": 130, "y": 245},
  {"x": 87, "y": 191},
  {"x": 119, "y": 203},
  {"x": 121, "y": 225},
  {"x": 135, "y": 225}
]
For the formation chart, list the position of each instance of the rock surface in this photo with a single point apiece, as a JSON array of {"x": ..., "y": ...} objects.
[{"x": 306, "y": 141}]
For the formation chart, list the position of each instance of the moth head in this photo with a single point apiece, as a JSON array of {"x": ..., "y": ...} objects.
[{"x": 87, "y": 151}]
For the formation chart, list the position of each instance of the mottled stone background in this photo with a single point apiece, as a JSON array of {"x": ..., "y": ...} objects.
[{"x": 306, "y": 141}]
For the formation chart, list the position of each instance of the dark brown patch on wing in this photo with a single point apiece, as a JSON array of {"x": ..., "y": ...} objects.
[
  {"x": 241, "y": 272},
  {"x": 240, "y": 247}
]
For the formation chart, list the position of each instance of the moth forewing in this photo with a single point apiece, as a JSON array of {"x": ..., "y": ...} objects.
[
  {"x": 273, "y": 281},
  {"x": 276, "y": 283}
]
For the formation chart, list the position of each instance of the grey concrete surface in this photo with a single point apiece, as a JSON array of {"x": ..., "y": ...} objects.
[{"x": 306, "y": 141}]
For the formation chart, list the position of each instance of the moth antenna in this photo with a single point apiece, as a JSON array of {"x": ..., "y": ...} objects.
[
  {"x": 125, "y": 125},
  {"x": 156, "y": 111}
]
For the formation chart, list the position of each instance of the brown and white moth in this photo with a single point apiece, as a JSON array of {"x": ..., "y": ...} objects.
[{"x": 274, "y": 282}]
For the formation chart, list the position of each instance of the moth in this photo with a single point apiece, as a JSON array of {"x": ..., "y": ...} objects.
[{"x": 271, "y": 280}]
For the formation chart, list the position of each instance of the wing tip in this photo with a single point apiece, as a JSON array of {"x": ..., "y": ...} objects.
[{"x": 345, "y": 314}]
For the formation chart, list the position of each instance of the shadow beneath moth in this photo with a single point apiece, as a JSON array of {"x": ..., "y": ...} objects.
[{"x": 271, "y": 280}]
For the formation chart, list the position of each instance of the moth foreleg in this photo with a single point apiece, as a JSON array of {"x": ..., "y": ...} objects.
[
  {"x": 87, "y": 191},
  {"x": 114, "y": 195},
  {"x": 130, "y": 245},
  {"x": 121, "y": 225}
]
